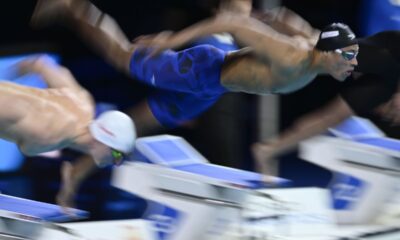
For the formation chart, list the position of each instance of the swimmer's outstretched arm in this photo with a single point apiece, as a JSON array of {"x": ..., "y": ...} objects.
[
  {"x": 265, "y": 41},
  {"x": 72, "y": 176},
  {"x": 54, "y": 75},
  {"x": 307, "y": 126},
  {"x": 289, "y": 23}
]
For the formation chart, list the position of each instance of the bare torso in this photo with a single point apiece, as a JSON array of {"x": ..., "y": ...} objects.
[
  {"x": 246, "y": 72},
  {"x": 41, "y": 120}
]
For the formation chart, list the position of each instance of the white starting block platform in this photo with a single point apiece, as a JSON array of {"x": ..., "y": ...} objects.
[
  {"x": 287, "y": 214},
  {"x": 173, "y": 152},
  {"x": 25, "y": 219},
  {"x": 366, "y": 167},
  {"x": 205, "y": 201},
  {"x": 200, "y": 199},
  {"x": 305, "y": 214}
]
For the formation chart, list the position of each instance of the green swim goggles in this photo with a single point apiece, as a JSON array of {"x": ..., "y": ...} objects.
[{"x": 118, "y": 156}]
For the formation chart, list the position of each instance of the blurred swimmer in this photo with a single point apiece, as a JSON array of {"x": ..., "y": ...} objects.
[
  {"x": 194, "y": 79},
  {"x": 373, "y": 89},
  {"x": 271, "y": 63},
  {"x": 43, "y": 120}
]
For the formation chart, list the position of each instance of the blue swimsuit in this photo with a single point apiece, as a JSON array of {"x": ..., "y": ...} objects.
[{"x": 187, "y": 82}]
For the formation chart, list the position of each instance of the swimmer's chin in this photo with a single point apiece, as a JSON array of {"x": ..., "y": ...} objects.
[{"x": 102, "y": 164}]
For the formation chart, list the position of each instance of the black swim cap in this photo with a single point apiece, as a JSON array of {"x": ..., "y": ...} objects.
[{"x": 335, "y": 36}]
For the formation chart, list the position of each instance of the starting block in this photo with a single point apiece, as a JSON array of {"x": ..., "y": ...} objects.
[
  {"x": 25, "y": 219},
  {"x": 200, "y": 199},
  {"x": 366, "y": 166}
]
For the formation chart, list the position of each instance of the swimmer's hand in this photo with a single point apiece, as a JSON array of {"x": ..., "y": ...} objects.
[
  {"x": 168, "y": 40},
  {"x": 158, "y": 42},
  {"x": 263, "y": 154},
  {"x": 66, "y": 195}
]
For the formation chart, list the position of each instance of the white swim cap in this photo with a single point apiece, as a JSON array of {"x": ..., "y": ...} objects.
[{"x": 114, "y": 129}]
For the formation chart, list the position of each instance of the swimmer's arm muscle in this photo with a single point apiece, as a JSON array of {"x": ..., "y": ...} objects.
[
  {"x": 311, "y": 124},
  {"x": 265, "y": 41},
  {"x": 289, "y": 23},
  {"x": 54, "y": 75}
]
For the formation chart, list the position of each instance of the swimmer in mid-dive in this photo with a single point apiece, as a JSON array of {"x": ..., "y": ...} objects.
[
  {"x": 43, "y": 120},
  {"x": 193, "y": 79},
  {"x": 270, "y": 63},
  {"x": 373, "y": 89}
]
